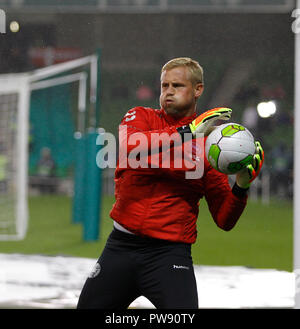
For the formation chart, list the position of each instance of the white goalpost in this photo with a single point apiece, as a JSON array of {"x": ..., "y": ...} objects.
[
  {"x": 15, "y": 93},
  {"x": 14, "y": 105}
]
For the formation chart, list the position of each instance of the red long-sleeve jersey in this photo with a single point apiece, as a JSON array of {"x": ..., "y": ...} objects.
[{"x": 161, "y": 202}]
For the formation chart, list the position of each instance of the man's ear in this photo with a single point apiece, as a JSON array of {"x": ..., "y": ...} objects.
[{"x": 199, "y": 89}]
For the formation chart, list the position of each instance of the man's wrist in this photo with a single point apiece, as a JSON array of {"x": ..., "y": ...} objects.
[
  {"x": 239, "y": 191},
  {"x": 184, "y": 130}
]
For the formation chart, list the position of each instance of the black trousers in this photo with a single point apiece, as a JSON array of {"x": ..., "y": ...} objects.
[{"x": 131, "y": 266}]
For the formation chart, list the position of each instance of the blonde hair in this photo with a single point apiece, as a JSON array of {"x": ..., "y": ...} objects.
[{"x": 193, "y": 66}]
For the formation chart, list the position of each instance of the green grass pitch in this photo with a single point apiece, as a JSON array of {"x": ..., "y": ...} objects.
[{"x": 263, "y": 237}]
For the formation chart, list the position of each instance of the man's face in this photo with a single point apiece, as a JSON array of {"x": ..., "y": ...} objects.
[{"x": 178, "y": 94}]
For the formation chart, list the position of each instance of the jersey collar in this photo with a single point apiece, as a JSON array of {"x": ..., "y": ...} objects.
[{"x": 181, "y": 121}]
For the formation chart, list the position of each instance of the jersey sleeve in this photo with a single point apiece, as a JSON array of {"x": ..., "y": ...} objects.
[
  {"x": 137, "y": 123},
  {"x": 137, "y": 138},
  {"x": 225, "y": 207}
]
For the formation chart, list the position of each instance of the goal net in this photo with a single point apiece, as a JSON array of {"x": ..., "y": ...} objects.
[
  {"x": 16, "y": 91},
  {"x": 14, "y": 104}
]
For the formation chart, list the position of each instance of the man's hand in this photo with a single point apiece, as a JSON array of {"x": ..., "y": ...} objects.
[
  {"x": 246, "y": 176},
  {"x": 204, "y": 122}
]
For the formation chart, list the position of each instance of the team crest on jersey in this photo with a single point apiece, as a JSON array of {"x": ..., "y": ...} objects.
[{"x": 95, "y": 271}]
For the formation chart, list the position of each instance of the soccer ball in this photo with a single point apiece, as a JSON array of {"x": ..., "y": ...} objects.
[{"x": 229, "y": 148}]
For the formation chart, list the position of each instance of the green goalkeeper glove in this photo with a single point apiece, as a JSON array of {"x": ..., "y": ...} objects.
[
  {"x": 204, "y": 122},
  {"x": 246, "y": 176}
]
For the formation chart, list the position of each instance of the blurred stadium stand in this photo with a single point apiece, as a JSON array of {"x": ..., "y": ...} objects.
[
  {"x": 152, "y": 5},
  {"x": 245, "y": 47}
]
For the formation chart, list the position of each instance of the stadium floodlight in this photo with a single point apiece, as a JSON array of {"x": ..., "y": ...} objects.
[
  {"x": 14, "y": 26},
  {"x": 266, "y": 109},
  {"x": 296, "y": 204}
]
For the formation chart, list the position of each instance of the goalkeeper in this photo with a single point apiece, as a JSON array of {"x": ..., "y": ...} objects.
[{"x": 148, "y": 253}]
